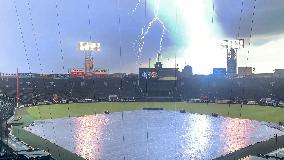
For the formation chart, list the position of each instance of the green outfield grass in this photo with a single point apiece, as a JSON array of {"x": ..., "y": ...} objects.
[
  {"x": 28, "y": 115},
  {"x": 254, "y": 112}
]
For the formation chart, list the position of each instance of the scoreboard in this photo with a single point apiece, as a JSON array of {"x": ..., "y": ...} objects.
[
  {"x": 148, "y": 73},
  {"x": 158, "y": 82},
  {"x": 158, "y": 74}
]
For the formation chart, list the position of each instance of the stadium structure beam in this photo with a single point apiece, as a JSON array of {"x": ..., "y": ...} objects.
[{"x": 17, "y": 85}]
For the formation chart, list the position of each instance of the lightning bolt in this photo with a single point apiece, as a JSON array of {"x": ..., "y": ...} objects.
[
  {"x": 139, "y": 42},
  {"x": 134, "y": 10}
]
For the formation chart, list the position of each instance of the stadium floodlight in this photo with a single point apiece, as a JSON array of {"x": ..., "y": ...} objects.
[
  {"x": 89, "y": 46},
  {"x": 238, "y": 43}
]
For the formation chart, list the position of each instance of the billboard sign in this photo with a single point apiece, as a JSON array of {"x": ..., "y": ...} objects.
[
  {"x": 101, "y": 72},
  {"x": 244, "y": 71},
  {"x": 77, "y": 72},
  {"x": 219, "y": 71}
]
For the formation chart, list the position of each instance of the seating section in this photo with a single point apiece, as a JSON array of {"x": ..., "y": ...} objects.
[{"x": 40, "y": 89}]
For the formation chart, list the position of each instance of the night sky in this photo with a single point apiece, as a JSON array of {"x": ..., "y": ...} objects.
[{"x": 190, "y": 35}]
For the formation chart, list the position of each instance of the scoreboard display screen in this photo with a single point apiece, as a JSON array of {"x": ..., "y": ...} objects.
[
  {"x": 148, "y": 73},
  {"x": 158, "y": 74}
]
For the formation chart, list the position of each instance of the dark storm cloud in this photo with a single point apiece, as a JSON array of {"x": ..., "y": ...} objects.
[
  {"x": 104, "y": 28},
  {"x": 74, "y": 27},
  {"x": 268, "y": 19}
]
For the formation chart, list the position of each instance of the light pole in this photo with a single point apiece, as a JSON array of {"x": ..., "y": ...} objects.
[{"x": 88, "y": 48}]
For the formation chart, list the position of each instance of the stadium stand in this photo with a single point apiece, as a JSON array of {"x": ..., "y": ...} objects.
[{"x": 37, "y": 89}]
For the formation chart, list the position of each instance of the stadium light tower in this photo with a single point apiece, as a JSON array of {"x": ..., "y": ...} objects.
[
  {"x": 88, "y": 48},
  {"x": 232, "y": 47}
]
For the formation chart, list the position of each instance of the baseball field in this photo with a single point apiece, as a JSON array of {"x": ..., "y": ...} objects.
[{"x": 25, "y": 116}]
